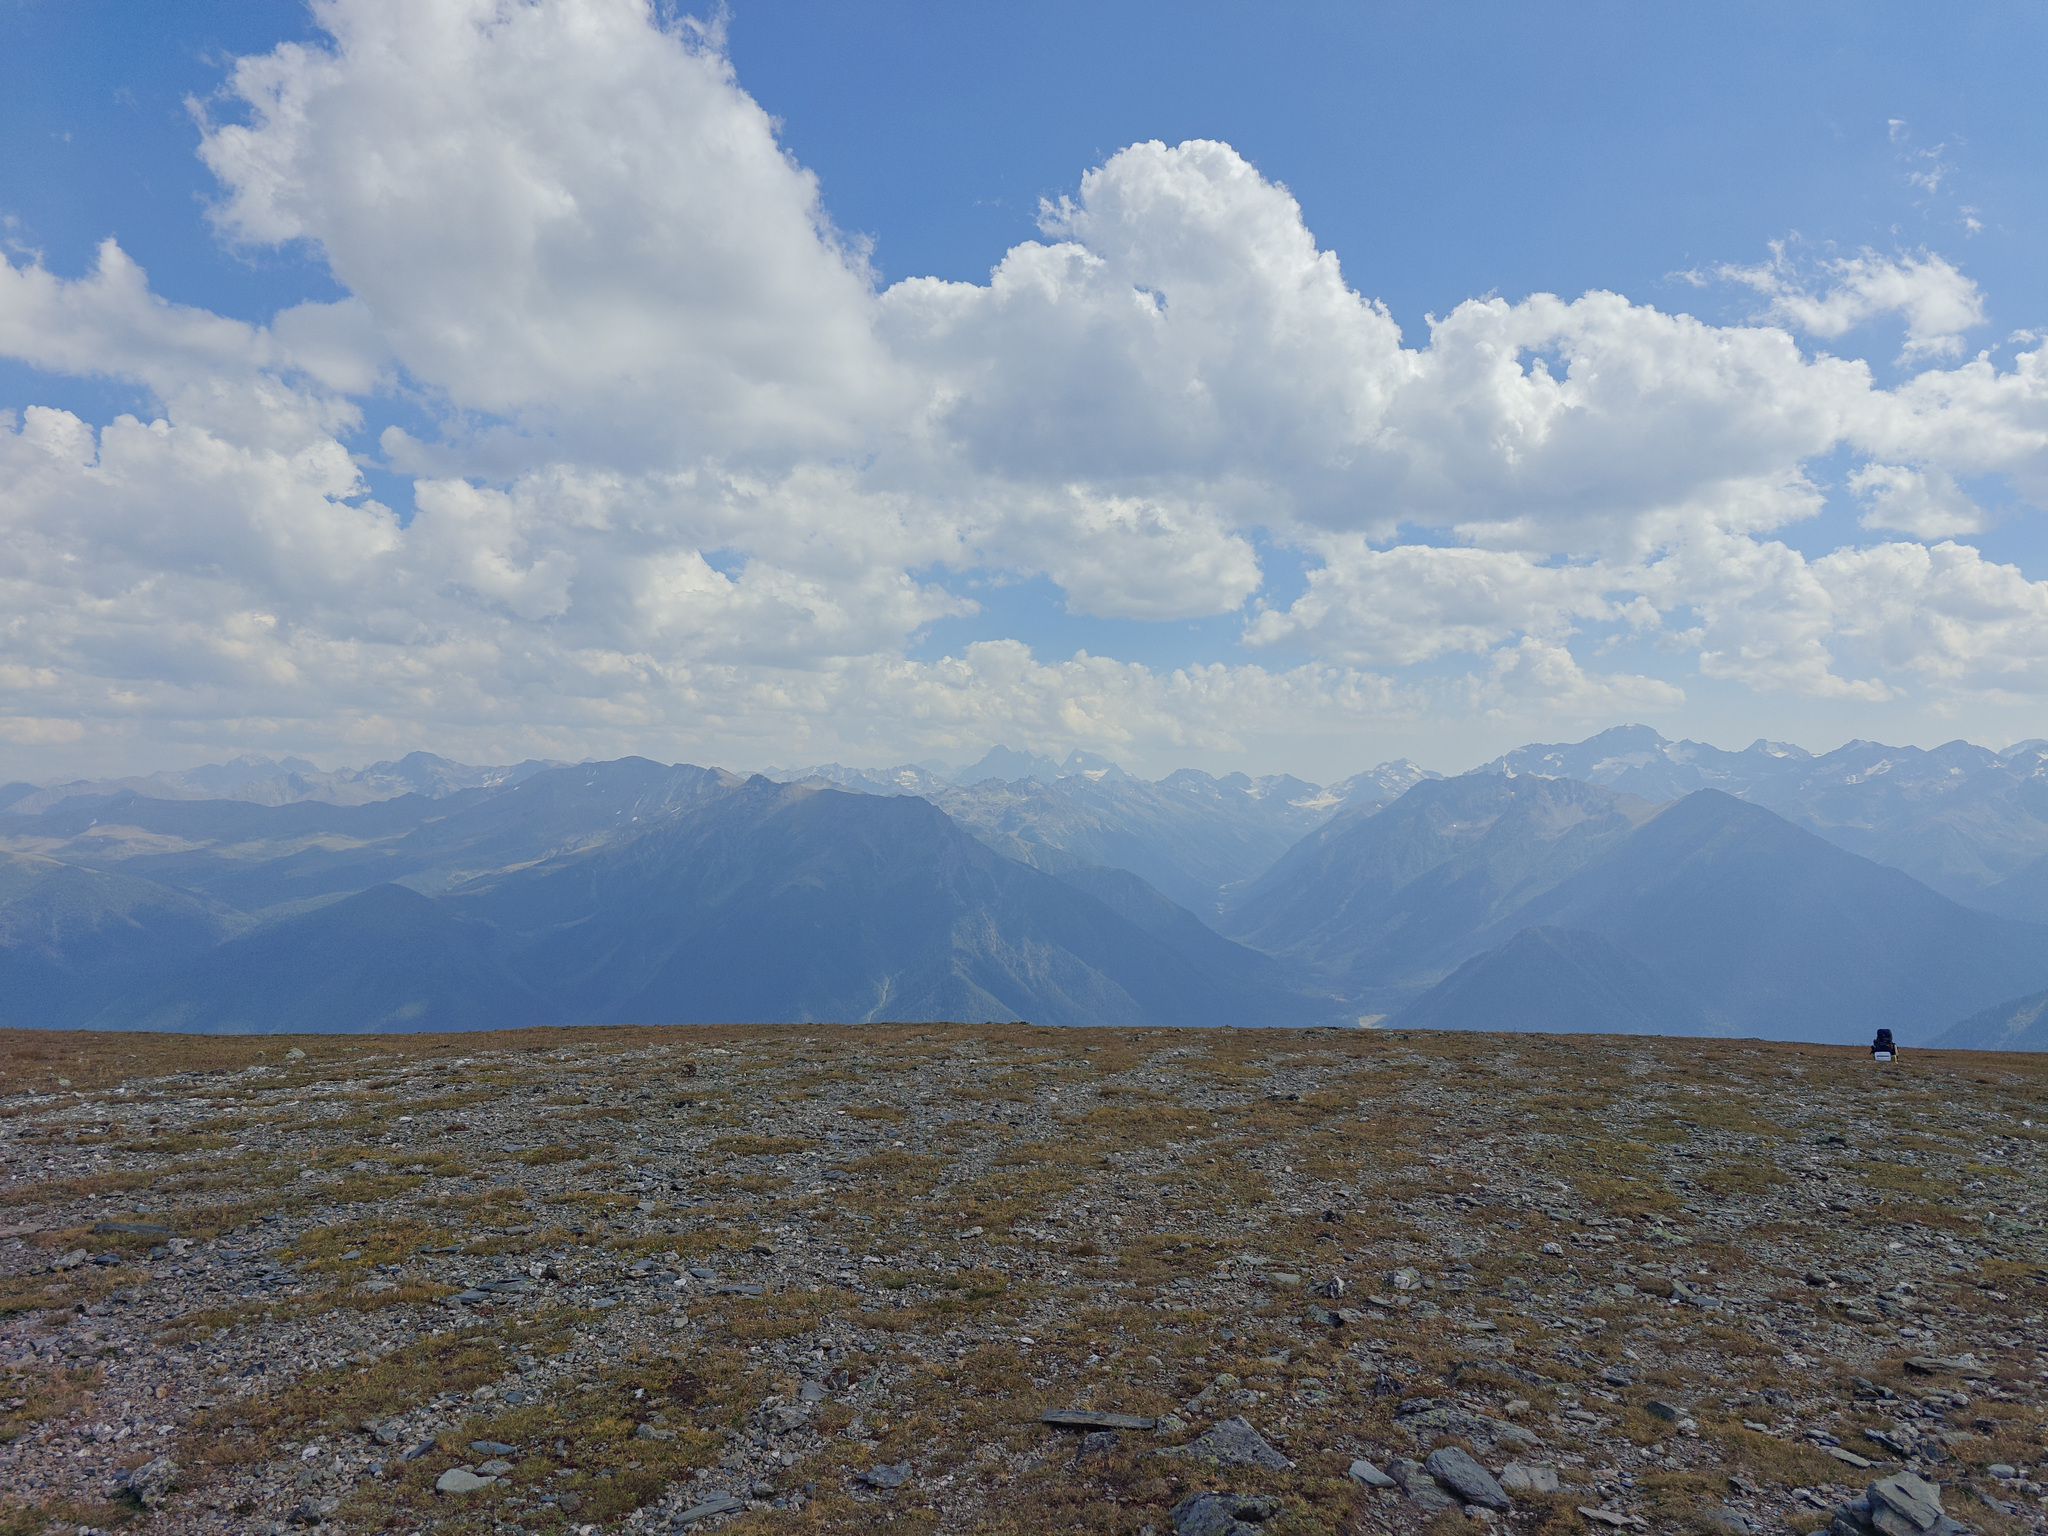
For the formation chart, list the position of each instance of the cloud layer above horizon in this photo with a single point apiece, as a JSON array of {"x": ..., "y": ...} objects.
[{"x": 697, "y": 483}]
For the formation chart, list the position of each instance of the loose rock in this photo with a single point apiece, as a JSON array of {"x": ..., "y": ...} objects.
[
  {"x": 148, "y": 1483},
  {"x": 1471, "y": 1482},
  {"x": 1087, "y": 1418},
  {"x": 1516, "y": 1477},
  {"x": 714, "y": 1504},
  {"x": 1222, "y": 1514},
  {"x": 1232, "y": 1443},
  {"x": 1416, "y": 1482}
]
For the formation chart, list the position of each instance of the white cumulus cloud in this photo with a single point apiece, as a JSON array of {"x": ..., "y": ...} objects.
[
  {"x": 685, "y": 479},
  {"x": 1924, "y": 502},
  {"x": 1937, "y": 302}
]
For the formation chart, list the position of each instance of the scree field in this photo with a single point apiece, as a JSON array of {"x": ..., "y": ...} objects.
[{"x": 814, "y": 1278}]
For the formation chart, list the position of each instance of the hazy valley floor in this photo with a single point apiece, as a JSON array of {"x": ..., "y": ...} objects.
[{"x": 813, "y": 1278}]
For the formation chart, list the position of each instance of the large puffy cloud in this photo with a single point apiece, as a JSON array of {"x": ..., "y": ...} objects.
[
  {"x": 1534, "y": 680},
  {"x": 1970, "y": 419},
  {"x": 1924, "y": 502},
  {"x": 1185, "y": 330},
  {"x": 564, "y": 216},
  {"x": 1938, "y": 304},
  {"x": 694, "y": 484},
  {"x": 1416, "y": 602},
  {"x": 1944, "y": 614},
  {"x": 278, "y": 386}
]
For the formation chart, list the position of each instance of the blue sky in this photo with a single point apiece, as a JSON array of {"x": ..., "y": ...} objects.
[{"x": 1443, "y": 154}]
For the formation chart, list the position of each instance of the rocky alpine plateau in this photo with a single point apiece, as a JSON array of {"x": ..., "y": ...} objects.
[{"x": 609, "y": 1281}]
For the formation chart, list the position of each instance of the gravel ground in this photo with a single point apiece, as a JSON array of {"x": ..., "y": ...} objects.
[{"x": 821, "y": 1278}]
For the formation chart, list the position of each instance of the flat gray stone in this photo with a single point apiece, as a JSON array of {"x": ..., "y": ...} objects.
[
  {"x": 1612, "y": 1518},
  {"x": 1721, "y": 1518},
  {"x": 1911, "y": 1499},
  {"x": 1518, "y": 1477},
  {"x": 1088, "y": 1418},
  {"x": 1365, "y": 1472},
  {"x": 461, "y": 1480},
  {"x": 495, "y": 1467},
  {"x": 493, "y": 1448},
  {"x": 1232, "y": 1443},
  {"x": 1936, "y": 1365},
  {"x": 1471, "y": 1482},
  {"x": 713, "y": 1504},
  {"x": 885, "y": 1476}
]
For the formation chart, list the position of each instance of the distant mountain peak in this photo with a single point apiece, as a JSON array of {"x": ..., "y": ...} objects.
[
  {"x": 1641, "y": 761},
  {"x": 1010, "y": 766},
  {"x": 1380, "y": 784},
  {"x": 1090, "y": 765}
]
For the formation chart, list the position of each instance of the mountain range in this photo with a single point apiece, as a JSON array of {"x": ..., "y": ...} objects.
[
  {"x": 289, "y": 781},
  {"x": 1970, "y": 822},
  {"x": 1623, "y": 883},
  {"x": 606, "y": 892}
]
